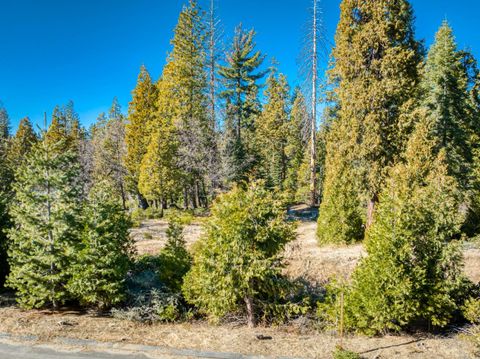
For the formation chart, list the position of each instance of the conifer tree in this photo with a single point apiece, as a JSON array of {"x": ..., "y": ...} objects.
[
  {"x": 240, "y": 78},
  {"x": 5, "y": 191},
  {"x": 109, "y": 149},
  {"x": 187, "y": 79},
  {"x": 272, "y": 127},
  {"x": 238, "y": 257},
  {"x": 375, "y": 77},
  {"x": 46, "y": 216},
  {"x": 296, "y": 145},
  {"x": 413, "y": 272},
  {"x": 21, "y": 144},
  {"x": 446, "y": 99},
  {"x": 102, "y": 259},
  {"x": 141, "y": 112}
]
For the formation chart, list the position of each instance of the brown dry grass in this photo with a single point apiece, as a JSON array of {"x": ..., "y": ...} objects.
[{"x": 286, "y": 341}]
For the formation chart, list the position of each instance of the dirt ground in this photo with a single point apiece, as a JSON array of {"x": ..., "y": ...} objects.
[
  {"x": 285, "y": 342},
  {"x": 304, "y": 259}
]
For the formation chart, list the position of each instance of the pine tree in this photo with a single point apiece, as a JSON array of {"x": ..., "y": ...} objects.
[
  {"x": 447, "y": 102},
  {"x": 5, "y": 190},
  {"x": 413, "y": 272},
  {"x": 240, "y": 78},
  {"x": 174, "y": 257},
  {"x": 375, "y": 77},
  {"x": 296, "y": 145},
  {"x": 272, "y": 127},
  {"x": 188, "y": 82},
  {"x": 109, "y": 149},
  {"x": 102, "y": 259},
  {"x": 141, "y": 113},
  {"x": 238, "y": 257},
  {"x": 46, "y": 216},
  {"x": 22, "y": 143},
  {"x": 341, "y": 218}
]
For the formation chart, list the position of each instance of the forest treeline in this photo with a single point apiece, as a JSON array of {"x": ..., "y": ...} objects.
[{"x": 395, "y": 162}]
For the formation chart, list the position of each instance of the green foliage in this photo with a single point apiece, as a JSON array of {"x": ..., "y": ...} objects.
[
  {"x": 174, "y": 259},
  {"x": 374, "y": 101},
  {"x": 413, "y": 271},
  {"x": 240, "y": 77},
  {"x": 46, "y": 216},
  {"x": 141, "y": 112},
  {"x": 238, "y": 257},
  {"x": 341, "y": 353},
  {"x": 341, "y": 216},
  {"x": 103, "y": 258},
  {"x": 471, "y": 310},
  {"x": 272, "y": 130},
  {"x": 5, "y": 224},
  {"x": 21, "y": 144},
  {"x": 446, "y": 101}
]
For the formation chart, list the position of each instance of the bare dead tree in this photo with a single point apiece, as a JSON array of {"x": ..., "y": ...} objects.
[{"x": 315, "y": 48}]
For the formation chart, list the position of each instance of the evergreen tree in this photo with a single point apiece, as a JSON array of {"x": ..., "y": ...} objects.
[
  {"x": 174, "y": 258},
  {"x": 187, "y": 79},
  {"x": 46, "y": 216},
  {"x": 109, "y": 149},
  {"x": 141, "y": 113},
  {"x": 413, "y": 272},
  {"x": 341, "y": 218},
  {"x": 5, "y": 191},
  {"x": 102, "y": 259},
  {"x": 4, "y": 122},
  {"x": 22, "y": 143},
  {"x": 272, "y": 128},
  {"x": 238, "y": 257},
  {"x": 375, "y": 77},
  {"x": 240, "y": 78},
  {"x": 296, "y": 145},
  {"x": 447, "y": 102}
]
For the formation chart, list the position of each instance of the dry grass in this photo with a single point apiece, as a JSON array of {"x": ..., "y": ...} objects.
[{"x": 285, "y": 341}]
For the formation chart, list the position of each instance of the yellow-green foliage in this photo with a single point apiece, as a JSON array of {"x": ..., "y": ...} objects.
[
  {"x": 238, "y": 256},
  {"x": 471, "y": 310}
]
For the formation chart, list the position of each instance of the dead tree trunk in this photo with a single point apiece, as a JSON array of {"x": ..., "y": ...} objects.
[
  {"x": 250, "y": 311},
  {"x": 313, "y": 124}
]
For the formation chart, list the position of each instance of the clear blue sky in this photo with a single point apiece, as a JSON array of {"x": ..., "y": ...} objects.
[{"x": 89, "y": 51}]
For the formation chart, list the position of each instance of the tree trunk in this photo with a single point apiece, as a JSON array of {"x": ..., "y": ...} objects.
[
  {"x": 142, "y": 202},
  {"x": 371, "y": 210},
  {"x": 185, "y": 198},
  {"x": 250, "y": 311},
  {"x": 197, "y": 194},
  {"x": 313, "y": 125}
]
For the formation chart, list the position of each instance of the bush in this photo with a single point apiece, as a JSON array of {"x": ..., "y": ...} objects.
[
  {"x": 102, "y": 260},
  {"x": 341, "y": 353},
  {"x": 237, "y": 262},
  {"x": 471, "y": 310},
  {"x": 149, "y": 300}
]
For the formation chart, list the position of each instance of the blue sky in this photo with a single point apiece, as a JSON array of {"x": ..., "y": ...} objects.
[{"x": 89, "y": 51}]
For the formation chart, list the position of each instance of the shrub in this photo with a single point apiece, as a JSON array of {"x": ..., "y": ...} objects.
[
  {"x": 237, "y": 260},
  {"x": 471, "y": 310},
  {"x": 102, "y": 260},
  {"x": 341, "y": 353}
]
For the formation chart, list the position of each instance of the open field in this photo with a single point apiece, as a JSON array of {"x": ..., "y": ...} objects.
[{"x": 304, "y": 259}]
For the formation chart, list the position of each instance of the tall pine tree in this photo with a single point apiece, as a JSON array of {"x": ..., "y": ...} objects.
[
  {"x": 240, "y": 78},
  {"x": 375, "y": 75},
  {"x": 46, "y": 215},
  {"x": 141, "y": 112}
]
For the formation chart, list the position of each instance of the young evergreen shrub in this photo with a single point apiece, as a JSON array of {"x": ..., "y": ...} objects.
[
  {"x": 103, "y": 258},
  {"x": 413, "y": 273},
  {"x": 471, "y": 310},
  {"x": 174, "y": 259},
  {"x": 341, "y": 353},
  {"x": 47, "y": 221},
  {"x": 238, "y": 257}
]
